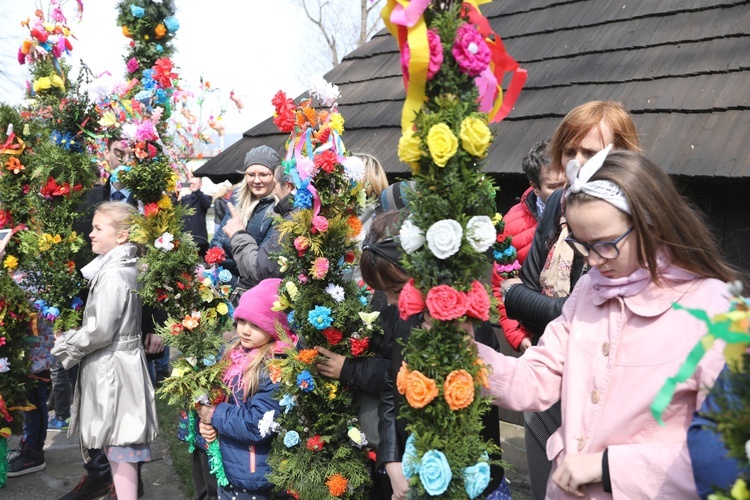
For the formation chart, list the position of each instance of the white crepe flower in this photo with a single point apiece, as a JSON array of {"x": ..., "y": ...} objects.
[
  {"x": 412, "y": 238},
  {"x": 266, "y": 425},
  {"x": 4, "y": 365},
  {"x": 354, "y": 168},
  {"x": 164, "y": 242},
  {"x": 129, "y": 131},
  {"x": 444, "y": 238},
  {"x": 480, "y": 232},
  {"x": 319, "y": 88},
  {"x": 747, "y": 449},
  {"x": 336, "y": 291}
]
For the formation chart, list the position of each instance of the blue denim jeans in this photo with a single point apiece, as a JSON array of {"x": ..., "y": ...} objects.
[{"x": 35, "y": 421}]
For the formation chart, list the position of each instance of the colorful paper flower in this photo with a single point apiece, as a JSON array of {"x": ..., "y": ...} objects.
[
  {"x": 274, "y": 373},
  {"x": 14, "y": 165},
  {"x": 326, "y": 92},
  {"x": 336, "y": 292},
  {"x": 319, "y": 269},
  {"x": 326, "y": 161},
  {"x": 215, "y": 255},
  {"x": 401, "y": 378},
  {"x": 476, "y": 479},
  {"x": 291, "y": 438},
  {"x": 172, "y": 24},
  {"x": 137, "y": 12},
  {"x": 410, "y": 301},
  {"x": 354, "y": 168},
  {"x": 420, "y": 390},
  {"x": 408, "y": 148},
  {"x": 480, "y": 232},
  {"x": 307, "y": 356},
  {"x": 458, "y": 389},
  {"x": 436, "y": 55},
  {"x": 435, "y": 472},
  {"x": 442, "y": 144},
  {"x": 303, "y": 199},
  {"x": 305, "y": 381},
  {"x": 445, "y": 303},
  {"x": 359, "y": 345},
  {"x": 410, "y": 459},
  {"x": 10, "y": 263},
  {"x": 266, "y": 425},
  {"x": 357, "y": 437},
  {"x": 444, "y": 238},
  {"x": 476, "y": 136},
  {"x": 478, "y": 302},
  {"x": 412, "y": 238},
  {"x": 165, "y": 242},
  {"x": 470, "y": 50},
  {"x": 337, "y": 485},
  {"x": 319, "y": 224},
  {"x": 288, "y": 402},
  {"x": 315, "y": 443},
  {"x": 133, "y": 65},
  {"x": 336, "y": 122},
  {"x": 333, "y": 335},
  {"x": 4, "y": 365}
]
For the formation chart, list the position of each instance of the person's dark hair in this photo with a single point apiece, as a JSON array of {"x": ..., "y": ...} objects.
[
  {"x": 662, "y": 218},
  {"x": 535, "y": 160},
  {"x": 280, "y": 176},
  {"x": 379, "y": 251}
]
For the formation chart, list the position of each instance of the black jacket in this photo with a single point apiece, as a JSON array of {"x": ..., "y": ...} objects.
[
  {"x": 195, "y": 224},
  {"x": 392, "y": 429},
  {"x": 526, "y": 303}
]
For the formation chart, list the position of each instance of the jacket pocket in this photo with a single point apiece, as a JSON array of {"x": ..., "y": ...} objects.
[{"x": 555, "y": 445}]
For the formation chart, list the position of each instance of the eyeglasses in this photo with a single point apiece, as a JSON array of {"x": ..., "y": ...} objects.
[
  {"x": 605, "y": 249},
  {"x": 264, "y": 176}
]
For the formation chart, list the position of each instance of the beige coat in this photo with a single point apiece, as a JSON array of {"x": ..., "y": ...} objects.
[{"x": 114, "y": 399}]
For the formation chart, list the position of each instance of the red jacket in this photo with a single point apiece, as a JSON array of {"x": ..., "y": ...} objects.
[{"x": 520, "y": 223}]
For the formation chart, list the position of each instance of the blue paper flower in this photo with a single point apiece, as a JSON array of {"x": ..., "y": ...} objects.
[
  {"x": 291, "y": 438},
  {"x": 435, "y": 473},
  {"x": 209, "y": 360},
  {"x": 159, "y": 48},
  {"x": 320, "y": 317},
  {"x": 290, "y": 320},
  {"x": 147, "y": 80},
  {"x": 77, "y": 304},
  {"x": 39, "y": 304},
  {"x": 172, "y": 24},
  {"x": 225, "y": 276},
  {"x": 288, "y": 402},
  {"x": 476, "y": 479},
  {"x": 51, "y": 313},
  {"x": 136, "y": 11},
  {"x": 363, "y": 300},
  {"x": 497, "y": 255},
  {"x": 144, "y": 96},
  {"x": 410, "y": 460},
  {"x": 303, "y": 199},
  {"x": 305, "y": 381}
]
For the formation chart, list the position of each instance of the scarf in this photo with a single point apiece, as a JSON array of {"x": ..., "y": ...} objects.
[
  {"x": 239, "y": 359},
  {"x": 608, "y": 288},
  {"x": 555, "y": 276}
]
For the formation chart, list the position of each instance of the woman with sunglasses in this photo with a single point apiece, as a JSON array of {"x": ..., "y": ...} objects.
[{"x": 619, "y": 338}]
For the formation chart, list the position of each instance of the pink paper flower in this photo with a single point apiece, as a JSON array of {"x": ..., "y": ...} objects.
[
  {"x": 301, "y": 244},
  {"x": 133, "y": 65},
  {"x": 478, "y": 302},
  {"x": 319, "y": 268},
  {"x": 410, "y": 301},
  {"x": 446, "y": 303},
  {"x": 436, "y": 55},
  {"x": 320, "y": 224},
  {"x": 470, "y": 50}
]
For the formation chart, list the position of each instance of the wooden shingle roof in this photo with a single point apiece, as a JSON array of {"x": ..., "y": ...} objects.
[{"x": 680, "y": 66}]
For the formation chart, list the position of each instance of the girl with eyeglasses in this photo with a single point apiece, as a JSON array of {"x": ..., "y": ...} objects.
[{"x": 619, "y": 338}]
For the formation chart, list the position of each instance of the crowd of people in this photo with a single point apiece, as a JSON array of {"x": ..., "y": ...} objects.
[{"x": 607, "y": 245}]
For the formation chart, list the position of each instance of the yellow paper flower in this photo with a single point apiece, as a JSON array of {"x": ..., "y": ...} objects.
[
  {"x": 291, "y": 288},
  {"x": 10, "y": 263},
  {"x": 222, "y": 308},
  {"x": 408, "y": 149},
  {"x": 442, "y": 144},
  {"x": 43, "y": 83},
  {"x": 337, "y": 122},
  {"x": 497, "y": 218},
  {"x": 57, "y": 82},
  {"x": 739, "y": 490},
  {"x": 475, "y": 136},
  {"x": 47, "y": 240},
  {"x": 165, "y": 203},
  {"x": 355, "y": 435},
  {"x": 281, "y": 304},
  {"x": 331, "y": 388}
]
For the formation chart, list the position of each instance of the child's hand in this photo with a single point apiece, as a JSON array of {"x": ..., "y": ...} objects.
[
  {"x": 207, "y": 431},
  {"x": 205, "y": 412},
  {"x": 332, "y": 366}
]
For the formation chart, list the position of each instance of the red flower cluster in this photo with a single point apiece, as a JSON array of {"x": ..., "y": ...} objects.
[
  {"x": 163, "y": 74},
  {"x": 333, "y": 335},
  {"x": 284, "y": 107},
  {"x": 151, "y": 209},
  {"x": 326, "y": 161},
  {"x": 6, "y": 218},
  {"x": 52, "y": 188},
  {"x": 359, "y": 346},
  {"x": 315, "y": 443},
  {"x": 445, "y": 303},
  {"x": 185, "y": 282},
  {"x": 410, "y": 301},
  {"x": 215, "y": 255}
]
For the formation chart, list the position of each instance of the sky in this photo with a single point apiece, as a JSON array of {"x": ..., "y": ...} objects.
[{"x": 250, "y": 46}]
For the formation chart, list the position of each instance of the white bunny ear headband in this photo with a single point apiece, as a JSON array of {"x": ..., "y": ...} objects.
[{"x": 578, "y": 179}]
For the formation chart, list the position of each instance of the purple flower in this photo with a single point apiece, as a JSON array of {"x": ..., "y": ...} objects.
[
  {"x": 470, "y": 50},
  {"x": 77, "y": 304},
  {"x": 133, "y": 65}
]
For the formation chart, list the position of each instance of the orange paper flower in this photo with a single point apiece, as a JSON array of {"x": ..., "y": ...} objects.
[
  {"x": 126, "y": 31},
  {"x": 458, "y": 389},
  {"x": 14, "y": 165},
  {"x": 274, "y": 373},
  {"x": 307, "y": 356},
  {"x": 355, "y": 226},
  {"x": 311, "y": 116},
  {"x": 337, "y": 485},
  {"x": 420, "y": 390},
  {"x": 403, "y": 373},
  {"x": 160, "y": 31},
  {"x": 483, "y": 376}
]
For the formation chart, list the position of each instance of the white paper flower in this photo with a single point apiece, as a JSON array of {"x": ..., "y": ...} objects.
[
  {"x": 129, "y": 131},
  {"x": 747, "y": 449},
  {"x": 358, "y": 437},
  {"x": 164, "y": 242},
  {"x": 480, "y": 232},
  {"x": 266, "y": 425},
  {"x": 306, "y": 168},
  {"x": 444, "y": 238},
  {"x": 336, "y": 291},
  {"x": 412, "y": 238},
  {"x": 354, "y": 168},
  {"x": 328, "y": 93},
  {"x": 4, "y": 365}
]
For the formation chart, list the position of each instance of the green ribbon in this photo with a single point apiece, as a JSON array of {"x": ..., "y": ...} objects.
[
  {"x": 716, "y": 330},
  {"x": 216, "y": 464},
  {"x": 192, "y": 418},
  {"x": 3, "y": 461}
]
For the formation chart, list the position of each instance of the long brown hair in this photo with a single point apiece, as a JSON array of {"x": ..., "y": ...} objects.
[
  {"x": 251, "y": 378},
  {"x": 579, "y": 122},
  {"x": 663, "y": 219}
]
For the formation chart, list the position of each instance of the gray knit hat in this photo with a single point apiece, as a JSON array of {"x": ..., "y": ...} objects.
[{"x": 262, "y": 155}]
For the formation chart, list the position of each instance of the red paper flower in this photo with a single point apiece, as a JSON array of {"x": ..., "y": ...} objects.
[
  {"x": 315, "y": 443},
  {"x": 177, "y": 328},
  {"x": 446, "y": 303},
  {"x": 163, "y": 74},
  {"x": 215, "y": 255},
  {"x": 333, "y": 335},
  {"x": 319, "y": 224},
  {"x": 478, "y": 302},
  {"x": 410, "y": 301},
  {"x": 348, "y": 256},
  {"x": 326, "y": 161},
  {"x": 151, "y": 209},
  {"x": 372, "y": 455},
  {"x": 6, "y": 218},
  {"x": 359, "y": 346}
]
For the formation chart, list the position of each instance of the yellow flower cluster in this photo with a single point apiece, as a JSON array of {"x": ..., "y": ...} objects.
[
  {"x": 47, "y": 240},
  {"x": 10, "y": 263},
  {"x": 336, "y": 122},
  {"x": 47, "y": 82},
  {"x": 442, "y": 144},
  {"x": 475, "y": 136}
]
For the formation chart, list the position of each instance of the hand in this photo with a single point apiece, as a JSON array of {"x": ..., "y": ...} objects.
[
  {"x": 332, "y": 366},
  {"x": 234, "y": 224},
  {"x": 205, "y": 412},
  {"x": 576, "y": 471},
  {"x": 4, "y": 243},
  {"x": 208, "y": 432},
  {"x": 154, "y": 344},
  {"x": 399, "y": 484},
  {"x": 508, "y": 283},
  {"x": 525, "y": 344}
]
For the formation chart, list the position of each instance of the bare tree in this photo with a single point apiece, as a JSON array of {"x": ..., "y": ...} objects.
[{"x": 344, "y": 24}]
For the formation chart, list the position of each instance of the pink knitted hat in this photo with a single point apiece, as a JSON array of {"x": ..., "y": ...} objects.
[{"x": 255, "y": 307}]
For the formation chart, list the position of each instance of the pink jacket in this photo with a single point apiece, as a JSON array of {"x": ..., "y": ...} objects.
[{"x": 606, "y": 363}]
